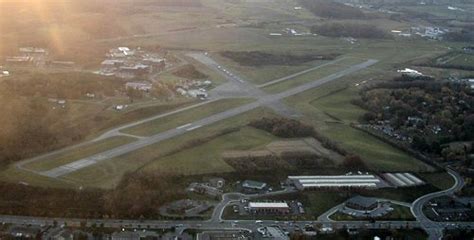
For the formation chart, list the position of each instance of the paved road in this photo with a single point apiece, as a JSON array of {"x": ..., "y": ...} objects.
[
  {"x": 264, "y": 100},
  {"x": 435, "y": 229},
  {"x": 200, "y": 225}
]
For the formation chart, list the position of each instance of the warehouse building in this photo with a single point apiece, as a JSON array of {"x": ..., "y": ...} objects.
[
  {"x": 402, "y": 179},
  {"x": 269, "y": 208},
  {"x": 335, "y": 181},
  {"x": 253, "y": 185},
  {"x": 362, "y": 203}
]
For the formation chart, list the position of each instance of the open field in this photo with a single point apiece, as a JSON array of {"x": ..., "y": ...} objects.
[
  {"x": 263, "y": 74},
  {"x": 308, "y": 77},
  {"x": 206, "y": 158},
  {"x": 78, "y": 153},
  {"x": 338, "y": 105},
  {"x": 441, "y": 180},
  {"x": 176, "y": 120},
  {"x": 108, "y": 173},
  {"x": 377, "y": 154},
  {"x": 462, "y": 60},
  {"x": 317, "y": 203}
]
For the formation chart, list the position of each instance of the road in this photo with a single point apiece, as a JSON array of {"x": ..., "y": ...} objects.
[
  {"x": 435, "y": 229},
  {"x": 263, "y": 99}
]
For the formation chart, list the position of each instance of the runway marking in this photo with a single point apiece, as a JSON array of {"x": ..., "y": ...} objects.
[
  {"x": 195, "y": 127},
  {"x": 184, "y": 126}
]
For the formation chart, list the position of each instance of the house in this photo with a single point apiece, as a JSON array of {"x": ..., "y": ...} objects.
[
  {"x": 253, "y": 185},
  {"x": 217, "y": 182},
  {"x": 125, "y": 236},
  {"x": 24, "y": 232},
  {"x": 141, "y": 86},
  {"x": 269, "y": 208},
  {"x": 137, "y": 70},
  {"x": 273, "y": 233},
  {"x": 196, "y": 93},
  {"x": 362, "y": 203}
]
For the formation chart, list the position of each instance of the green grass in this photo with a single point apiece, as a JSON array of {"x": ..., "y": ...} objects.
[
  {"x": 311, "y": 76},
  {"x": 107, "y": 174},
  {"x": 263, "y": 74},
  {"x": 377, "y": 154},
  {"x": 339, "y": 105},
  {"x": 400, "y": 213},
  {"x": 317, "y": 203},
  {"x": 462, "y": 60},
  {"x": 207, "y": 158},
  {"x": 441, "y": 180},
  {"x": 179, "y": 119},
  {"x": 78, "y": 153}
]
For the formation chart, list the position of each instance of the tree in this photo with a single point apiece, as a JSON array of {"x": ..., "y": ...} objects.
[{"x": 353, "y": 162}]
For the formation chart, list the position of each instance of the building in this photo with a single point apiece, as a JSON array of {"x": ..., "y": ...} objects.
[
  {"x": 269, "y": 208},
  {"x": 253, "y": 185},
  {"x": 125, "y": 236},
  {"x": 335, "y": 181},
  {"x": 273, "y": 233},
  {"x": 402, "y": 179},
  {"x": 217, "y": 182},
  {"x": 362, "y": 203},
  {"x": 24, "y": 232},
  {"x": 142, "y": 86}
]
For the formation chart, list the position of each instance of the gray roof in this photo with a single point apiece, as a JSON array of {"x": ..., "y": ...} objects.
[
  {"x": 253, "y": 184},
  {"x": 362, "y": 201}
]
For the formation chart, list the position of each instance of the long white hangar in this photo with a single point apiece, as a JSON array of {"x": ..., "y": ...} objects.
[{"x": 335, "y": 181}]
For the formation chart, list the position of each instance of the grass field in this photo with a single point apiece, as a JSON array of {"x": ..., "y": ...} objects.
[
  {"x": 377, "y": 154},
  {"x": 207, "y": 158},
  {"x": 176, "y": 120},
  {"x": 108, "y": 173},
  {"x": 317, "y": 203},
  {"x": 441, "y": 180},
  {"x": 311, "y": 76},
  {"x": 339, "y": 105},
  {"x": 462, "y": 60},
  {"x": 263, "y": 74},
  {"x": 321, "y": 105},
  {"x": 78, "y": 153}
]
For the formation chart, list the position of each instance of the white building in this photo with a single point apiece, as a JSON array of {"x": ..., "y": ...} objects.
[
  {"x": 269, "y": 207},
  {"x": 335, "y": 181}
]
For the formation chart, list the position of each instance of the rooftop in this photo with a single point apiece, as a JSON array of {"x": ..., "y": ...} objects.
[
  {"x": 362, "y": 201},
  {"x": 268, "y": 205},
  {"x": 253, "y": 184}
]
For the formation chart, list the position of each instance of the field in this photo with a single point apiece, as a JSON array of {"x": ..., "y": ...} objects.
[
  {"x": 311, "y": 76},
  {"x": 461, "y": 60},
  {"x": 206, "y": 158},
  {"x": 108, "y": 173},
  {"x": 176, "y": 120},
  {"x": 78, "y": 153},
  {"x": 229, "y": 26}
]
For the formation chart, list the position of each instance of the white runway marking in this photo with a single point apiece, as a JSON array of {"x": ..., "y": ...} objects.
[
  {"x": 184, "y": 126},
  {"x": 192, "y": 128}
]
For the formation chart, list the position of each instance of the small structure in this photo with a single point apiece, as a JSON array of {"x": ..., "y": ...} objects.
[
  {"x": 24, "y": 232},
  {"x": 217, "y": 182},
  {"x": 410, "y": 73},
  {"x": 125, "y": 236},
  {"x": 269, "y": 208},
  {"x": 253, "y": 185},
  {"x": 141, "y": 86},
  {"x": 362, "y": 203},
  {"x": 273, "y": 233}
]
